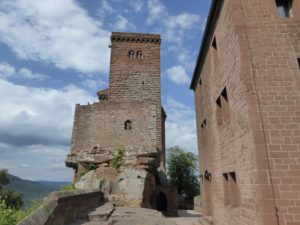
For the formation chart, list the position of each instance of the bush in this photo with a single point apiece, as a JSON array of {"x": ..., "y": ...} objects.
[
  {"x": 67, "y": 187},
  {"x": 11, "y": 198},
  {"x": 7, "y": 215},
  {"x": 117, "y": 159}
]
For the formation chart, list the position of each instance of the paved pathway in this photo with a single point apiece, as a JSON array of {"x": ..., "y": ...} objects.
[{"x": 188, "y": 217}]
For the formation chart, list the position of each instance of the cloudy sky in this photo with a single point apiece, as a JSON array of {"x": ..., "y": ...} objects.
[{"x": 54, "y": 54}]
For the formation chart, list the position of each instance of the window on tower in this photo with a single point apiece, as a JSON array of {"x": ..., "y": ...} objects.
[
  {"x": 131, "y": 54},
  {"x": 139, "y": 55},
  {"x": 284, "y": 8},
  {"x": 128, "y": 125}
]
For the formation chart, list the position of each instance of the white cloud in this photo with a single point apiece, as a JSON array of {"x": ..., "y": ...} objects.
[
  {"x": 177, "y": 74},
  {"x": 55, "y": 31},
  {"x": 156, "y": 10},
  {"x": 106, "y": 7},
  {"x": 94, "y": 85},
  {"x": 122, "y": 23},
  {"x": 28, "y": 113},
  {"x": 28, "y": 74},
  {"x": 136, "y": 5},
  {"x": 6, "y": 70},
  {"x": 180, "y": 126},
  {"x": 183, "y": 21},
  {"x": 36, "y": 125}
]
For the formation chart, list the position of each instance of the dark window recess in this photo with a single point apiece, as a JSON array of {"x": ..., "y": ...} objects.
[
  {"x": 200, "y": 82},
  {"x": 131, "y": 54},
  {"x": 298, "y": 62},
  {"x": 139, "y": 55},
  {"x": 128, "y": 125},
  {"x": 226, "y": 189},
  {"x": 214, "y": 43},
  {"x": 224, "y": 94},
  {"x": 219, "y": 102},
  {"x": 284, "y": 8}
]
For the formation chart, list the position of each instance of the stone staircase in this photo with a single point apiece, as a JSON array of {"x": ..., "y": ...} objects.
[
  {"x": 108, "y": 214},
  {"x": 98, "y": 216}
]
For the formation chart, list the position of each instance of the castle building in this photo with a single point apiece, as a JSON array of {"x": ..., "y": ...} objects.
[
  {"x": 247, "y": 100},
  {"x": 127, "y": 124}
]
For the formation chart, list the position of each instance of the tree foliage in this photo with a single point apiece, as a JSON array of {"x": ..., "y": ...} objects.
[
  {"x": 182, "y": 168},
  {"x": 3, "y": 178},
  {"x": 12, "y": 199},
  {"x": 7, "y": 215}
]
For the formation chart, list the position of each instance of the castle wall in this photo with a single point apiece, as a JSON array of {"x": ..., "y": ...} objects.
[
  {"x": 254, "y": 134},
  {"x": 102, "y": 124}
]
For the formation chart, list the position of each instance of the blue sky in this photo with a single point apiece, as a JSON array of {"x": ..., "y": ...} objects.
[{"x": 54, "y": 54}]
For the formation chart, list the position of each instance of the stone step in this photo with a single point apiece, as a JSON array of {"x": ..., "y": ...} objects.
[
  {"x": 101, "y": 213},
  {"x": 206, "y": 220},
  {"x": 84, "y": 222}
]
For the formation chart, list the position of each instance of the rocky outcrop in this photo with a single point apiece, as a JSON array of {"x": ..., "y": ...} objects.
[
  {"x": 108, "y": 214},
  {"x": 127, "y": 187}
]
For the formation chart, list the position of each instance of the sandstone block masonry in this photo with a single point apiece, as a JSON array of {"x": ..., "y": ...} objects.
[
  {"x": 127, "y": 124},
  {"x": 247, "y": 95}
]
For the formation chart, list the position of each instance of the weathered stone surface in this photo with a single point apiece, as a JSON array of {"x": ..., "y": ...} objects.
[
  {"x": 128, "y": 187},
  {"x": 137, "y": 216}
]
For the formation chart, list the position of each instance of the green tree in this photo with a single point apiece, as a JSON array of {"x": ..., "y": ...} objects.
[
  {"x": 12, "y": 199},
  {"x": 182, "y": 169},
  {"x": 3, "y": 178},
  {"x": 7, "y": 215}
]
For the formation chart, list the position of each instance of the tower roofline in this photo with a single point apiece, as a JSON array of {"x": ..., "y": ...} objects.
[
  {"x": 211, "y": 23},
  {"x": 135, "y": 37}
]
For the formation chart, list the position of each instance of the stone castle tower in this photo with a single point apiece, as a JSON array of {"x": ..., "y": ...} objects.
[
  {"x": 128, "y": 117},
  {"x": 247, "y": 94}
]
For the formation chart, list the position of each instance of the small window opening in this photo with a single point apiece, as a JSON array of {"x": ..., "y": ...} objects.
[
  {"x": 226, "y": 189},
  {"x": 200, "y": 82},
  {"x": 284, "y": 8},
  {"x": 139, "y": 55},
  {"x": 298, "y": 62},
  {"x": 223, "y": 111},
  {"x": 131, "y": 54},
  {"x": 234, "y": 191},
  {"x": 224, "y": 94},
  {"x": 128, "y": 125},
  {"x": 219, "y": 102},
  {"x": 214, "y": 43}
]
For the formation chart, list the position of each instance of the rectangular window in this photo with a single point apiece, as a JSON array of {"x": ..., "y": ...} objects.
[
  {"x": 298, "y": 62},
  {"x": 203, "y": 134},
  {"x": 223, "y": 112},
  {"x": 234, "y": 191},
  {"x": 284, "y": 8},
  {"x": 226, "y": 189}
]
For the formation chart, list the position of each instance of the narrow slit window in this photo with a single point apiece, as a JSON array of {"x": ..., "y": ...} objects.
[
  {"x": 200, "y": 82},
  {"x": 139, "y": 55},
  {"x": 128, "y": 125},
  {"x": 214, "y": 44},
  {"x": 224, "y": 94},
  {"x": 298, "y": 62},
  {"x": 226, "y": 189},
  {"x": 284, "y": 8},
  {"x": 234, "y": 191},
  {"x": 131, "y": 54}
]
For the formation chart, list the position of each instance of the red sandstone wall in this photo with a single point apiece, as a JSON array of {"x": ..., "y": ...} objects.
[
  {"x": 102, "y": 124},
  {"x": 256, "y": 61},
  {"x": 134, "y": 79},
  {"x": 274, "y": 44}
]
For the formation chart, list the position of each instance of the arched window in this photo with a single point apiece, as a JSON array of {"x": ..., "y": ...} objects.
[
  {"x": 139, "y": 55},
  {"x": 128, "y": 125},
  {"x": 131, "y": 54}
]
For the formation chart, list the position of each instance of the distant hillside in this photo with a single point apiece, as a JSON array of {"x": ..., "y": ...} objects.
[{"x": 32, "y": 190}]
